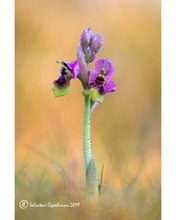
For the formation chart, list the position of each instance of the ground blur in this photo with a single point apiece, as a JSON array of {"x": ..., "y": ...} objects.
[{"x": 125, "y": 129}]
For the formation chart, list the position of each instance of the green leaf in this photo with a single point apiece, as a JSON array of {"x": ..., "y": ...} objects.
[
  {"x": 60, "y": 91},
  {"x": 96, "y": 96},
  {"x": 101, "y": 179},
  {"x": 91, "y": 183}
]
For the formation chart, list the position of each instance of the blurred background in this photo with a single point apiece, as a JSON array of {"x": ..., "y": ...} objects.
[{"x": 126, "y": 128}]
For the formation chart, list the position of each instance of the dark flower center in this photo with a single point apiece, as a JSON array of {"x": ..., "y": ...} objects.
[
  {"x": 66, "y": 65},
  {"x": 100, "y": 79},
  {"x": 61, "y": 80},
  {"x": 63, "y": 71},
  {"x": 101, "y": 90}
]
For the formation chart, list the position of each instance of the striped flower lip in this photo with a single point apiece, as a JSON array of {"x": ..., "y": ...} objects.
[{"x": 100, "y": 78}]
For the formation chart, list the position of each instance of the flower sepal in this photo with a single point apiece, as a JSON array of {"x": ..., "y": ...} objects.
[{"x": 86, "y": 92}]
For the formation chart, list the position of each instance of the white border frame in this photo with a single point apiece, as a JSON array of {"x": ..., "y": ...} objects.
[
  {"x": 7, "y": 109},
  {"x": 168, "y": 109}
]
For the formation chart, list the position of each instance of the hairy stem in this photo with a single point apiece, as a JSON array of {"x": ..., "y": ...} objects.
[
  {"x": 91, "y": 176},
  {"x": 86, "y": 132}
]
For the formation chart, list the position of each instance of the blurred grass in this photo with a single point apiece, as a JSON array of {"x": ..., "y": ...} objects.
[
  {"x": 133, "y": 201},
  {"x": 125, "y": 128}
]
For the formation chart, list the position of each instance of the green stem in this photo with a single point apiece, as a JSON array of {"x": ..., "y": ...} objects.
[
  {"x": 86, "y": 132},
  {"x": 91, "y": 175}
]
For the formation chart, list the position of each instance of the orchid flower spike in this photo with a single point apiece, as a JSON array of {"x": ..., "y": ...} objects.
[{"x": 96, "y": 84}]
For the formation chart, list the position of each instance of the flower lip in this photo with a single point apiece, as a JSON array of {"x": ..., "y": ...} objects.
[
  {"x": 100, "y": 78},
  {"x": 61, "y": 86},
  {"x": 63, "y": 71},
  {"x": 101, "y": 90},
  {"x": 61, "y": 80},
  {"x": 103, "y": 67}
]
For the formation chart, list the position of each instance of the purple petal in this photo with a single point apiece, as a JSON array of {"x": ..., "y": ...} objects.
[
  {"x": 92, "y": 76},
  {"x": 109, "y": 86},
  {"x": 106, "y": 64},
  {"x": 73, "y": 66},
  {"x": 76, "y": 71}
]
